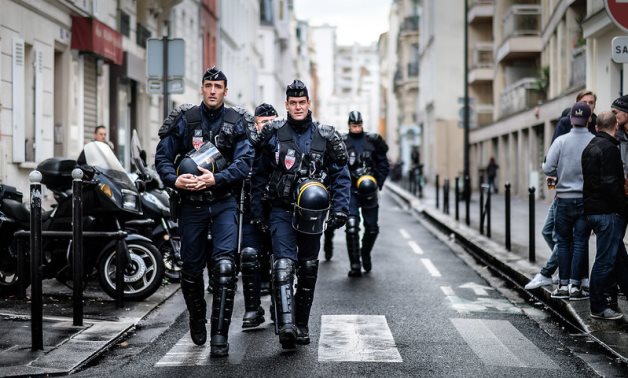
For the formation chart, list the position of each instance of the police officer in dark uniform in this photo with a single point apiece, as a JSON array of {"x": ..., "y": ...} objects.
[
  {"x": 219, "y": 155},
  {"x": 255, "y": 245},
  {"x": 369, "y": 168},
  {"x": 298, "y": 157}
]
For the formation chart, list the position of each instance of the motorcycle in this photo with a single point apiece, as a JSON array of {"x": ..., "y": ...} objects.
[
  {"x": 109, "y": 200},
  {"x": 10, "y": 203}
]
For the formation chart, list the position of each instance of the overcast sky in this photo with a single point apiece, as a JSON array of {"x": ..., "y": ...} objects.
[{"x": 360, "y": 21}]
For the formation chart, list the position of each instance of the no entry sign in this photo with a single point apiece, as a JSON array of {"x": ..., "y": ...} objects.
[{"x": 618, "y": 12}]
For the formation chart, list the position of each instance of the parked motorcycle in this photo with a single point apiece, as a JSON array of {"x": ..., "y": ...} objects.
[
  {"x": 17, "y": 219},
  {"x": 109, "y": 199}
]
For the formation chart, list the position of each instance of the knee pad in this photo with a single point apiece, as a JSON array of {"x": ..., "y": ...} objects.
[
  {"x": 249, "y": 259},
  {"x": 307, "y": 272},
  {"x": 353, "y": 226},
  {"x": 372, "y": 230},
  {"x": 224, "y": 272},
  {"x": 283, "y": 269}
]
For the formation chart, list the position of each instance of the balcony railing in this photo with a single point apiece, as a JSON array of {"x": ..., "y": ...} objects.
[
  {"x": 483, "y": 55},
  {"x": 522, "y": 20},
  {"x": 522, "y": 95},
  {"x": 410, "y": 23},
  {"x": 578, "y": 68},
  {"x": 413, "y": 69}
]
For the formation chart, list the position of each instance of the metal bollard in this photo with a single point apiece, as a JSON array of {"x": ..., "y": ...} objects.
[
  {"x": 482, "y": 209},
  {"x": 446, "y": 197},
  {"x": 532, "y": 242},
  {"x": 467, "y": 199},
  {"x": 120, "y": 265},
  {"x": 77, "y": 246},
  {"x": 488, "y": 211},
  {"x": 507, "y": 206},
  {"x": 457, "y": 193},
  {"x": 437, "y": 191},
  {"x": 37, "y": 336}
]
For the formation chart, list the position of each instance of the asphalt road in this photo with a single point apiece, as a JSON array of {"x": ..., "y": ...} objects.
[{"x": 425, "y": 310}]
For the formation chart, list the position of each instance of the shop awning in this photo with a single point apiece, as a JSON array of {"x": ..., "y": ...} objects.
[{"x": 91, "y": 35}]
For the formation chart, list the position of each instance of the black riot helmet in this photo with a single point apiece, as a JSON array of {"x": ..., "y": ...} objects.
[
  {"x": 297, "y": 89},
  {"x": 355, "y": 117},
  {"x": 311, "y": 207},
  {"x": 207, "y": 156},
  {"x": 367, "y": 190}
]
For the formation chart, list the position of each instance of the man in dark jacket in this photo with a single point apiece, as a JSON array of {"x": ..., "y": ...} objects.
[
  {"x": 564, "y": 123},
  {"x": 604, "y": 208}
]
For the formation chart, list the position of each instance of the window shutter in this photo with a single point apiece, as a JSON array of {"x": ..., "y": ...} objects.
[
  {"x": 19, "y": 147},
  {"x": 41, "y": 152}
]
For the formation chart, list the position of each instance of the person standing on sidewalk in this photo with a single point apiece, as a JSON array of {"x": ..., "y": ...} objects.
[
  {"x": 491, "y": 173},
  {"x": 564, "y": 161},
  {"x": 605, "y": 209},
  {"x": 544, "y": 277}
]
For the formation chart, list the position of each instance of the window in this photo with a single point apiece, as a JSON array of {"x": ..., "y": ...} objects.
[
  {"x": 142, "y": 34},
  {"x": 266, "y": 12},
  {"x": 125, "y": 23}
]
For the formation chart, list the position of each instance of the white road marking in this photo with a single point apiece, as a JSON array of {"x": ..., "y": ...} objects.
[
  {"x": 477, "y": 288},
  {"x": 447, "y": 290},
  {"x": 356, "y": 338},
  {"x": 430, "y": 267},
  {"x": 415, "y": 247},
  {"x": 404, "y": 233},
  {"x": 465, "y": 306},
  {"x": 499, "y": 343}
]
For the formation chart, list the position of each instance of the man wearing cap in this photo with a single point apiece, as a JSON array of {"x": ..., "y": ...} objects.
[
  {"x": 297, "y": 158},
  {"x": 208, "y": 202},
  {"x": 256, "y": 244},
  {"x": 369, "y": 168},
  {"x": 572, "y": 233}
]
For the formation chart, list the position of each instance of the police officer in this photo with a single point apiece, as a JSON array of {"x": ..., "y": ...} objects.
[
  {"x": 255, "y": 244},
  {"x": 298, "y": 156},
  {"x": 369, "y": 168},
  {"x": 219, "y": 155}
]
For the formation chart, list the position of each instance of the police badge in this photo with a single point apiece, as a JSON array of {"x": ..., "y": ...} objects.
[
  {"x": 197, "y": 140},
  {"x": 290, "y": 158}
]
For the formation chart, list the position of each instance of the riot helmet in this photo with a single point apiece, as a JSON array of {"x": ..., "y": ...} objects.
[
  {"x": 207, "y": 156},
  {"x": 355, "y": 117},
  {"x": 367, "y": 190},
  {"x": 311, "y": 207}
]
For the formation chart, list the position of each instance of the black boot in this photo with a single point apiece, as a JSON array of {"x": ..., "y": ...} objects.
[
  {"x": 254, "y": 313},
  {"x": 193, "y": 293},
  {"x": 353, "y": 246},
  {"x": 283, "y": 302},
  {"x": 306, "y": 281},
  {"x": 368, "y": 241},
  {"x": 222, "y": 306},
  {"x": 328, "y": 245}
]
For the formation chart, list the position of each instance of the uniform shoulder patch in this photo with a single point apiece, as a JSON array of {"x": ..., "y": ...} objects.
[
  {"x": 326, "y": 131},
  {"x": 171, "y": 121}
]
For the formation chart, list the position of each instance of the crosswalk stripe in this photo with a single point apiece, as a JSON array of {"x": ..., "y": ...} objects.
[
  {"x": 415, "y": 247},
  {"x": 430, "y": 267},
  {"x": 499, "y": 343},
  {"x": 356, "y": 338},
  {"x": 404, "y": 233}
]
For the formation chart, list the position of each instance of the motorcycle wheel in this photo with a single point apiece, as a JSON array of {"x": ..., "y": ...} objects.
[
  {"x": 143, "y": 275},
  {"x": 171, "y": 263}
]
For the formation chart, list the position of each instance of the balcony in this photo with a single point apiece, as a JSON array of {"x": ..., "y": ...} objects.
[
  {"x": 519, "y": 96},
  {"x": 480, "y": 11},
  {"x": 410, "y": 24},
  {"x": 482, "y": 63},
  {"x": 482, "y": 115},
  {"x": 578, "y": 68},
  {"x": 522, "y": 33}
]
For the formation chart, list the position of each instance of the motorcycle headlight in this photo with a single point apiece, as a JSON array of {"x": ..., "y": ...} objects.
[
  {"x": 130, "y": 201},
  {"x": 155, "y": 201}
]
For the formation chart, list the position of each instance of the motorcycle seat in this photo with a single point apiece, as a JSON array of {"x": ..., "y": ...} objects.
[{"x": 16, "y": 210}]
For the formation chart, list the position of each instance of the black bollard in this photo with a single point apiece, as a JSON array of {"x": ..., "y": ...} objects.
[
  {"x": 77, "y": 246},
  {"x": 446, "y": 197},
  {"x": 532, "y": 241},
  {"x": 488, "y": 210},
  {"x": 120, "y": 264},
  {"x": 37, "y": 335},
  {"x": 467, "y": 199},
  {"x": 457, "y": 193},
  {"x": 437, "y": 191},
  {"x": 482, "y": 209},
  {"x": 507, "y": 206}
]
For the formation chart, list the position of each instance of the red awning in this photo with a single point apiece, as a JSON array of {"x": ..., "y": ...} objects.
[{"x": 91, "y": 35}]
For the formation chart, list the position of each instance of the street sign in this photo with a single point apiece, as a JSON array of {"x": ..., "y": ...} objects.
[
  {"x": 155, "y": 65},
  {"x": 620, "y": 50},
  {"x": 618, "y": 12}
]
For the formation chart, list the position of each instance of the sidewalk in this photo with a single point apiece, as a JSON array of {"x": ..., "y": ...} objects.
[
  {"x": 67, "y": 347},
  {"x": 515, "y": 265}
]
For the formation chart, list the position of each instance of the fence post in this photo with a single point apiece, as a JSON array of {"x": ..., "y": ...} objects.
[
  {"x": 507, "y": 206},
  {"x": 532, "y": 242},
  {"x": 36, "y": 245},
  {"x": 437, "y": 191},
  {"x": 467, "y": 199},
  {"x": 77, "y": 246}
]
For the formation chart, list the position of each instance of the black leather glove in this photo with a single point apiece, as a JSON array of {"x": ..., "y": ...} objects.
[
  {"x": 337, "y": 220},
  {"x": 260, "y": 224}
]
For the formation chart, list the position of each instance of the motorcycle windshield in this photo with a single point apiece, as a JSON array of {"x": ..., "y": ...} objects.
[
  {"x": 136, "y": 151},
  {"x": 100, "y": 156}
]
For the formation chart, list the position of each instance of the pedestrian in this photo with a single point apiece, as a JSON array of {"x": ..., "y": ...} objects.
[
  {"x": 572, "y": 234},
  {"x": 255, "y": 244},
  {"x": 491, "y": 173},
  {"x": 544, "y": 277},
  {"x": 219, "y": 154},
  {"x": 369, "y": 168},
  {"x": 605, "y": 210},
  {"x": 297, "y": 157}
]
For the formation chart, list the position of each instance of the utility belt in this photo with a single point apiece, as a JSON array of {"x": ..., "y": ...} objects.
[{"x": 206, "y": 196}]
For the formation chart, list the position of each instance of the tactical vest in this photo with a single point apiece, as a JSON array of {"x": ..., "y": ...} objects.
[
  {"x": 293, "y": 165},
  {"x": 360, "y": 163},
  {"x": 196, "y": 134}
]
